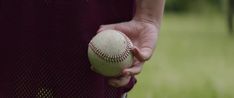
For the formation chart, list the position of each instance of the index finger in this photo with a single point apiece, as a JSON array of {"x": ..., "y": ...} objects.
[{"x": 134, "y": 70}]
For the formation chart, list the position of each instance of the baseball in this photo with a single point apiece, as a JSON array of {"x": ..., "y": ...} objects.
[{"x": 109, "y": 53}]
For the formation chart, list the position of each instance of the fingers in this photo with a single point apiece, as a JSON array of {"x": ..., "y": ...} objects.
[
  {"x": 126, "y": 75},
  {"x": 119, "y": 82},
  {"x": 134, "y": 70}
]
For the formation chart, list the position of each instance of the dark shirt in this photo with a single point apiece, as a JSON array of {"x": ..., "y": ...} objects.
[{"x": 43, "y": 47}]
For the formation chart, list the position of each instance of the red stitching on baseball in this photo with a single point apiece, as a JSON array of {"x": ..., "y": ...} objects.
[{"x": 113, "y": 58}]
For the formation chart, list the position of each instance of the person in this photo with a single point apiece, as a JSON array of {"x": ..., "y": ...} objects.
[{"x": 44, "y": 45}]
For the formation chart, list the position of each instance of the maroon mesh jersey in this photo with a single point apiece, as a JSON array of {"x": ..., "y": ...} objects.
[{"x": 43, "y": 47}]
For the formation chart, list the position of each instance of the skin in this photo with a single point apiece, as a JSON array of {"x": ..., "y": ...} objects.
[{"x": 143, "y": 31}]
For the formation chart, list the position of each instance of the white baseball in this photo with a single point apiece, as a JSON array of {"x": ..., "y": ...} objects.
[{"x": 109, "y": 52}]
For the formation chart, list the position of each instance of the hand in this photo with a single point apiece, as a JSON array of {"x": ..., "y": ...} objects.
[{"x": 143, "y": 35}]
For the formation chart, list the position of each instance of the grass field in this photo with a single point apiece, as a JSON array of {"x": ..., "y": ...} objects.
[{"x": 194, "y": 59}]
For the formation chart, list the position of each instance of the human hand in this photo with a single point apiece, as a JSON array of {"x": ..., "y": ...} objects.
[{"x": 143, "y": 35}]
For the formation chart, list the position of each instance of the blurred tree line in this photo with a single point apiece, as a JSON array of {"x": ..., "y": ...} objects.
[
  {"x": 192, "y": 5},
  {"x": 226, "y": 7}
]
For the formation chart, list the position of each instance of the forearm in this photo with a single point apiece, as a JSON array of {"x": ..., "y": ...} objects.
[{"x": 149, "y": 11}]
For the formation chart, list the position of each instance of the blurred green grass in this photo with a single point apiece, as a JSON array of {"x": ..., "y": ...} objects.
[{"x": 194, "y": 59}]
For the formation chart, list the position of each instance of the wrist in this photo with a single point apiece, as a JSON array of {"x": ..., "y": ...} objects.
[
  {"x": 146, "y": 16},
  {"x": 146, "y": 20},
  {"x": 149, "y": 11}
]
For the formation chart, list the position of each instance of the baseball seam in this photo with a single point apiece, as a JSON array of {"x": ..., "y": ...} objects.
[{"x": 113, "y": 58}]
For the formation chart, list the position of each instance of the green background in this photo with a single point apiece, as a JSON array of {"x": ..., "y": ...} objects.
[{"x": 194, "y": 58}]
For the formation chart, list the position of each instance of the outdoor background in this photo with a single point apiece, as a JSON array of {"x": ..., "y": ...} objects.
[{"x": 194, "y": 57}]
